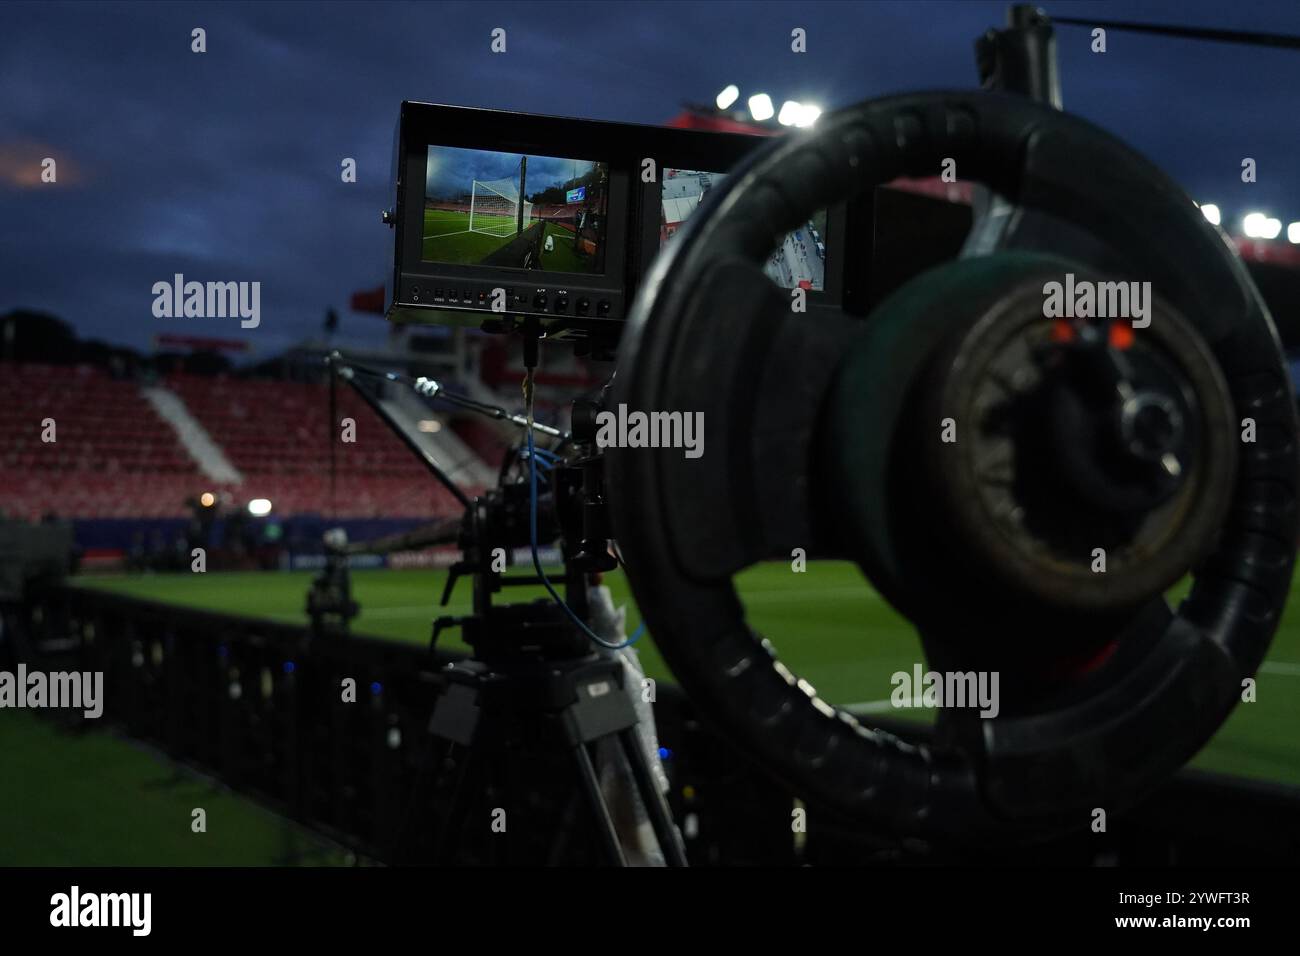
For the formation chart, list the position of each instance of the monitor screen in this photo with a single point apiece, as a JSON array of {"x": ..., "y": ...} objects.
[
  {"x": 515, "y": 211},
  {"x": 800, "y": 260}
]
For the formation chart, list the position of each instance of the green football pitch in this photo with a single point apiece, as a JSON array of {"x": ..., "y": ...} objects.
[
  {"x": 827, "y": 624},
  {"x": 447, "y": 238}
]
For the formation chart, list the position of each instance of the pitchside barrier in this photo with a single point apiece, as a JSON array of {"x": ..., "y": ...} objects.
[{"x": 262, "y": 707}]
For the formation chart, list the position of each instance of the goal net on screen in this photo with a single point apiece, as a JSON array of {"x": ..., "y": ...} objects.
[{"x": 494, "y": 207}]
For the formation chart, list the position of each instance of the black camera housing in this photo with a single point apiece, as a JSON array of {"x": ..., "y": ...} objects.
[{"x": 568, "y": 305}]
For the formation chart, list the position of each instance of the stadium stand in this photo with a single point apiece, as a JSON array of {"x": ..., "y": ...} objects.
[
  {"x": 276, "y": 434},
  {"x": 112, "y": 456}
]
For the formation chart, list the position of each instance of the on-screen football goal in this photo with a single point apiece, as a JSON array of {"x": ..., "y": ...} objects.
[{"x": 494, "y": 207}]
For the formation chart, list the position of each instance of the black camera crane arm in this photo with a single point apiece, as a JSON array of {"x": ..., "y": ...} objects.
[
  {"x": 431, "y": 388},
  {"x": 349, "y": 372},
  {"x": 489, "y": 521}
]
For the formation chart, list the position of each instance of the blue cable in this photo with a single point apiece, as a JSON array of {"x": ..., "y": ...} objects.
[
  {"x": 547, "y": 459},
  {"x": 537, "y": 561}
]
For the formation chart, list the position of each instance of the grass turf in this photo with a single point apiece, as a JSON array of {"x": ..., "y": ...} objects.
[
  {"x": 563, "y": 258},
  {"x": 93, "y": 799},
  {"x": 828, "y": 625},
  {"x": 447, "y": 239},
  {"x": 96, "y": 799}
]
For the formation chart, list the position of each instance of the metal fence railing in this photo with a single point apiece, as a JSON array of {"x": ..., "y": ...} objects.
[{"x": 262, "y": 706}]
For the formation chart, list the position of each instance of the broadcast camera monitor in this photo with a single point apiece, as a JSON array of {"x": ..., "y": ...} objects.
[
  {"x": 514, "y": 211},
  {"x": 506, "y": 215},
  {"x": 501, "y": 216}
]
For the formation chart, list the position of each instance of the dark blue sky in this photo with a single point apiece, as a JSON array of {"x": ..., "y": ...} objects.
[{"x": 226, "y": 165}]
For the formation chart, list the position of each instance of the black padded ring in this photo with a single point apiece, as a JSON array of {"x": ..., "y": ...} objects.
[{"x": 1026, "y": 771}]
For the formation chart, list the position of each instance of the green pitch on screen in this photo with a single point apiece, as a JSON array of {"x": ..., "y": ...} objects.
[{"x": 447, "y": 239}]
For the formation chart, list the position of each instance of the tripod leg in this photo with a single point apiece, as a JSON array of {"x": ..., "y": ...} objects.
[
  {"x": 604, "y": 823},
  {"x": 567, "y": 822},
  {"x": 655, "y": 804},
  {"x": 445, "y": 846},
  {"x": 421, "y": 793}
]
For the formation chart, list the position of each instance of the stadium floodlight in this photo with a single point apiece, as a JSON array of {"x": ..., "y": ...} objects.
[
  {"x": 807, "y": 115},
  {"x": 1211, "y": 213},
  {"x": 728, "y": 96},
  {"x": 207, "y": 499},
  {"x": 494, "y": 207},
  {"x": 761, "y": 108},
  {"x": 259, "y": 507},
  {"x": 791, "y": 113},
  {"x": 1293, "y": 232},
  {"x": 1256, "y": 225}
]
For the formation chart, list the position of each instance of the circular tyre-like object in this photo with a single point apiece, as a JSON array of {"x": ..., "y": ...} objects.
[{"x": 789, "y": 464}]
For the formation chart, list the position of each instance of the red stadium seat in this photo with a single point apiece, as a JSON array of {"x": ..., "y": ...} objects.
[
  {"x": 115, "y": 457},
  {"x": 112, "y": 457},
  {"x": 278, "y": 435}
]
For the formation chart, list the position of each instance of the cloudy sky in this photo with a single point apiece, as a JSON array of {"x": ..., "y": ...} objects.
[
  {"x": 226, "y": 165},
  {"x": 450, "y": 172}
]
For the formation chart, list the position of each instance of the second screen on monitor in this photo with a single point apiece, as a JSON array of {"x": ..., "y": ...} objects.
[{"x": 798, "y": 262}]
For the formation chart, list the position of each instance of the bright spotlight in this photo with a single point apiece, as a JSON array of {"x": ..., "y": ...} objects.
[
  {"x": 207, "y": 499},
  {"x": 1253, "y": 225},
  {"x": 760, "y": 107},
  {"x": 728, "y": 96},
  {"x": 1211, "y": 212},
  {"x": 790, "y": 114},
  {"x": 808, "y": 115},
  {"x": 1271, "y": 229},
  {"x": 259, "y": 507},
  {"x": 1293, "y": 232}
]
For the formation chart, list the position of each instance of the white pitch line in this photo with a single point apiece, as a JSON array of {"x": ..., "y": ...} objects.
[
  {"x": 1280, "y": 667},
  {"x": 880, "y": 706},
  {"x": 442, "y": 234}
]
